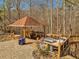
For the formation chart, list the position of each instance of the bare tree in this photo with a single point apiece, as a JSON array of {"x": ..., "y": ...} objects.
[
  {"x": 51, "y": 2},
  {"x": 18, "y": 7}
]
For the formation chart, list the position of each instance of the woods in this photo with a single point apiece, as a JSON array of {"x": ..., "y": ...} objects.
[
  {"x": 53, "y": 23},
  {"x": 61, "y": 19}
]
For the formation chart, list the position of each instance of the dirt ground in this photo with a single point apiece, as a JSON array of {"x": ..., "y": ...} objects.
[{"x": 12, "y": 50}]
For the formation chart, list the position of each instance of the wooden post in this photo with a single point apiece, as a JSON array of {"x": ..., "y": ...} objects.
[
  {"x": 21, "y": 31},
  {"x": 24, "y": 32},
  {"x": 59, "y": 50}
]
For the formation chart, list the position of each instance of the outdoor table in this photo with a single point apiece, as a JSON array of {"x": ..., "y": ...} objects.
[
  {"x": 59, "y": 46},
  {"x": 56, "y": 44}
]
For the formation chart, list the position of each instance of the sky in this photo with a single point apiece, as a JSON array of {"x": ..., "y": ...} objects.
[
  {"x": 24, "y": 5},
  {"x": 1, "y": 2}
]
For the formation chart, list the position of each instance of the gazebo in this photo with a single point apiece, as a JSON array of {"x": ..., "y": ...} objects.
[{"x": 26, "y": 22}]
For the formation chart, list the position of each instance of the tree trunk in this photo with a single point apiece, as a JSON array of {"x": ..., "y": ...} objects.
[
  {"x": 51, "y": 2},
  {"x": 18, "y": 8}
]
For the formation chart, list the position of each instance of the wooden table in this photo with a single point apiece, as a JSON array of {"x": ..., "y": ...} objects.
[{"x": 58, "y": 45}]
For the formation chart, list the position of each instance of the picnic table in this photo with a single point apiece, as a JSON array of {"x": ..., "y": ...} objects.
[
  {"x": 56, "y": 42},
  {"x": 58, "y": 45}
]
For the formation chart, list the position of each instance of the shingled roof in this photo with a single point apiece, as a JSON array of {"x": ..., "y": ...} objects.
[{"x": 26, "y": 22}]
